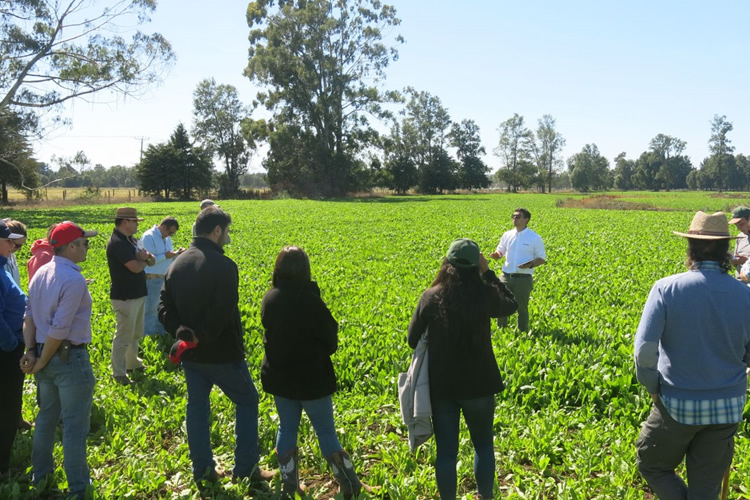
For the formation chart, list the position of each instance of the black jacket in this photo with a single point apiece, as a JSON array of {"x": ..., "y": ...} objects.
[
  {"x": 300, "y": 337},
  {"x": 456, "y": 371},
  {"x": 201, "y": 292}
]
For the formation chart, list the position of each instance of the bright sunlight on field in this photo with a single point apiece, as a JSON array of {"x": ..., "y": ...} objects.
[{"x": 565, "y": 425}]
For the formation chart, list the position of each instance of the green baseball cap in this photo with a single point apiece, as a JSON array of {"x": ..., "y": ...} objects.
[
  {"x": 463, "y": 253},
  {"x": 738, "y": 213}
]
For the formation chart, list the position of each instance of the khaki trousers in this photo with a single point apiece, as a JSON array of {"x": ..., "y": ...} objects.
[{"x": 128, "y": 333}]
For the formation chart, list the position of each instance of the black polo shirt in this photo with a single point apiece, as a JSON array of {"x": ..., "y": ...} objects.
[{"x": 125, "y": 284}]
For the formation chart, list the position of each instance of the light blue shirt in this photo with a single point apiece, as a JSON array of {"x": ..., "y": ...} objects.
[
  {"x": 153, "y": 241},
  {"x": 693, "y": 340},
  {"x": 60, "y": 303}
]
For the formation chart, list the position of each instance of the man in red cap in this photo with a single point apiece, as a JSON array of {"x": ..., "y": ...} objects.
[{"x": 57, "y": 331}]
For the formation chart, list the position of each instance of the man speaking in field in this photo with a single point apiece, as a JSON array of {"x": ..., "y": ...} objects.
[
  {"x": 523, "y": 251},
  {"x": 199, "y": 305},
  {"x": 692, "y": 348}
]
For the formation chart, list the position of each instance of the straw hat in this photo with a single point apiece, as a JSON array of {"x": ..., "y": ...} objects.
[{"x": 708, "y": 227}]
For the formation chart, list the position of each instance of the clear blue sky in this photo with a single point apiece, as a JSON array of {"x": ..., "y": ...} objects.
[{"x": 611, "y": 73}]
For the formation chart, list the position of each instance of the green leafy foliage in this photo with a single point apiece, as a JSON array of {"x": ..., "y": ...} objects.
[{"x": 565, "y": 426}]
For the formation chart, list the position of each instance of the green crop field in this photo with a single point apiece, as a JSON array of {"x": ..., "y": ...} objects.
[{"x": 565, "y": 425}]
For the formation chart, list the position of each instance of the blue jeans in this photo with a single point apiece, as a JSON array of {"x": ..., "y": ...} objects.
[
  {"x": 151, "y": 323},
  {"x": 320, "y": 413},
  {"x": 234, "y": 380},
  {"x": 66, "y": 390},
  {"x": 479, "y": 414}
]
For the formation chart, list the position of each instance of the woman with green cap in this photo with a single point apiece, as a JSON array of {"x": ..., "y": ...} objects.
[{"x": 455, "y": 312}]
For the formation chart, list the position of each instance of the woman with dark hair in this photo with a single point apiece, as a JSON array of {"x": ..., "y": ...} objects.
[
  {"x": 301, "y": 335},
  {"x": 455, "y": 314}
]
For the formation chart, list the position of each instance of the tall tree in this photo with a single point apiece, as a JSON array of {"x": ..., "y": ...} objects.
[
  {"x": 51, "y": 52},
  {"x": 17, "y": 166},
  {"x": 322, "y": 63},
  {"x": 589, "y": 170},
  {"x": 217, "y": 117},
  {"x": 465, "y": 138},
  {"x": 424, "y": 129},
  {"x": 721, "y": 150},
  {"x": 547, "y": 148},
  {"x": 623, "y": 173},
  {"x": 174, "y": 168},
  {"x": 515, "y": 151}
]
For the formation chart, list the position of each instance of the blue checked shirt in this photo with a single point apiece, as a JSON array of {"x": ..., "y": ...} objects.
[{"x": 705, "y": 411}]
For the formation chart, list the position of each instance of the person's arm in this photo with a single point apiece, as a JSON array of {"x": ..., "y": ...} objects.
[
  {"x": 499, "y": 252},
  {"x": 51, "y": 346},
  {"x": 647, "y": 338},
  {"x": 326, "y": 326},
  {"x": 418, "y": 324},
  {"x": 502, "y": 302},
  {"x": 540, "y": 256},
  {"x": 8, "y": 340},
  {"x": 29, "y": 338},
  {"x": 148, "y": 243},
  {"x": 167, "y": 309}
]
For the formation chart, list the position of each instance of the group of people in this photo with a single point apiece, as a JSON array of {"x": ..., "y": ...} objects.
[{"x": 690, "y": 354}]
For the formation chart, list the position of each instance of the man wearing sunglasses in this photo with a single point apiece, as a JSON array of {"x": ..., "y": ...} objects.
[{"x": 57, "y": 331}]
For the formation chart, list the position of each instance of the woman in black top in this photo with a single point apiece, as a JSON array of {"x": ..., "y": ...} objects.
[
  {"x": 455, "y": 312},
  {"x": 301, "y": 335}
]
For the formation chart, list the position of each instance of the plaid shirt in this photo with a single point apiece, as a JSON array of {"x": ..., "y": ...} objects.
[{"x": 705, "y": 411}]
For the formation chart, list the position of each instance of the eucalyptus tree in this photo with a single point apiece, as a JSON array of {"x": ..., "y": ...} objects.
[
  {"x": 322, "y": 66},
  {"x": 589, "y": 170},
  {"x": 548, "y": 148},
  {"x": 721, "y": 150},
  {"x": 51, "y": 52},
  {"x": 515, "y": 151},
  {"x": 465, "y": 138},
  {"x": 218, "y": 114}
]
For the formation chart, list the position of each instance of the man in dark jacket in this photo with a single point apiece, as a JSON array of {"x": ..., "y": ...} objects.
[{"x": 199, "y": 305}]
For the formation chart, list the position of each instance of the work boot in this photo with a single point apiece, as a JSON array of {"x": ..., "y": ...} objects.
[
  {"x": 343, "y": 470},
  {"x": 289, "y": 468}
]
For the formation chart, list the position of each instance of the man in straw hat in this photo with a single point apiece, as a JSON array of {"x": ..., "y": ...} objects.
[
  {"x": 128, "y": 291},
  {"x": 691, "y": 353}
]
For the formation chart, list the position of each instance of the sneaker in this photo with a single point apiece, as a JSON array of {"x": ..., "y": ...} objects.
[{"x": 122, "y": 379}]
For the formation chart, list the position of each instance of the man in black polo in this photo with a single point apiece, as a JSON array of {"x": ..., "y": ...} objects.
[
  {"x": 128, "y": 292},
  {"x": 199, "y": 304}
]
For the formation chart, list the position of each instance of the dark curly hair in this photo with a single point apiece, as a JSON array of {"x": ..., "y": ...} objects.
[{"x": 699, "y": 251}]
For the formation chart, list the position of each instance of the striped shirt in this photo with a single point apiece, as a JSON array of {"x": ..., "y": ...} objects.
[{"x": 705, "y": 411}]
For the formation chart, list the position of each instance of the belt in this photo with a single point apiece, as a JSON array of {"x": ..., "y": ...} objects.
[
  {"x": 518, "y": 275},
  {"x": 39, "y": 347},
  {"x": 153, "y": 276}
]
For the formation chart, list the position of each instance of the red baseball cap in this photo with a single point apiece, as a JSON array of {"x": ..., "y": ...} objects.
[
  {"x": 67, "y": 231},
  {"x": 179, "y": 348}
]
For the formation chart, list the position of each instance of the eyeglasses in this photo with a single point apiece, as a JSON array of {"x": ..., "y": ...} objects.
[
  {"x": 516, "y": 216},
  {"x": 17, "y": 245}
]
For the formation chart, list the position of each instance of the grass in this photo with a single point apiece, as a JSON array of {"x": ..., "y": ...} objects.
[{"x": 565, "y": 425}]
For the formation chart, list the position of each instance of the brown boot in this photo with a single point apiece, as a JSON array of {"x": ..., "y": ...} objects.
[{"x": 343, "y": 470}]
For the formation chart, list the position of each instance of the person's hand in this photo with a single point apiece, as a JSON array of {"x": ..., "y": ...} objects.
[
  {"x": 495, "y": 255},
  {"x": 170, "y": 255},
  {"x": 27, "y": 361},
  {"x": 185, "y": 333},
  {"x": 483, "y": 264},
  {"x": 655, "y": 398},
  {"x": 738, "y": 260}
]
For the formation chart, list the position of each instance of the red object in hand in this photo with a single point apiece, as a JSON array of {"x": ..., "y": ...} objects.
[{"x": 178, "y": 349}]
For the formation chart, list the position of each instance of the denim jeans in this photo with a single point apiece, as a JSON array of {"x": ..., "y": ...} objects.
[
  {"x": 234, "y": 380},
  {"x": 320, "y": 413},
  {"x": 151, "y": 323},
  {"x": 66, "y": 390},
  {"x": 479, "y": 414}
]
